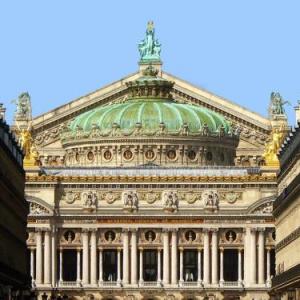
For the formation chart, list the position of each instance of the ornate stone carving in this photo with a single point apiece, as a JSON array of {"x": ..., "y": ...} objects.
[
  {"x": 23, "y": 111},
  {"x": 170, "y": 200},
  {"x": 231, "y": 197},
  {"x": 89, "y": 199},
  {"x": 110, "y": 197},
  {"x": 191, "y": 197},
  {"x": 37, "y": 209},
  {"x": 151, "y": 197},
  {"x": 130, "y": 200},
  {"x": 70, "y": 197},
  {"x": 265, "y": 208},
  {"x": 210, "y": 199}
]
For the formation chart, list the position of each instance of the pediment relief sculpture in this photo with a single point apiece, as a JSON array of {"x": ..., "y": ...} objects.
[
  {"x": 265, "y": 208},
  {"x": 38, "y": 209}
]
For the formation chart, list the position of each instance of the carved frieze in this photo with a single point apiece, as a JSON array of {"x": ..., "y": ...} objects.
[
  {"x": 170, "y": 200},
  {"x": 265, "y": 208},
  {"x": 89, "y": 199},
  {"x": 110, "y": 197},
  {"x": 37, "y": 209},
  {"x": 130, "y": 200},
  {"x": 231, "y": 196},
  {"x": 70, "y": 197},
  {"x": 210, "y": 199}
]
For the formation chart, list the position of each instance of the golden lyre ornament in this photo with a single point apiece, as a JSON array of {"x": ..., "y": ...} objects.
[
  {"x": 26, "y": 142},
  {"x": 272, "y": 147}
]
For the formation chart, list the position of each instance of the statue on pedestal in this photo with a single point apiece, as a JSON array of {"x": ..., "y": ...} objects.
[{"x": 150, "y": 47}]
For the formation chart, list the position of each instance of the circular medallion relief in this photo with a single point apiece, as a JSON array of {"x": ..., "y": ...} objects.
[
  {"x": 190, "y": 235},
  {"x": 110, "y": 235},
  {"x": 90, "y": 156},
  {"x": 127, "y": 155},
  {"x": 150, "y": 236},
  {"x": 171, "y": 154},
  {"x": 149, "y": 154},
  {"x": 107, "y": 155},
  {"x": 192, "y": 155},
  {"x": 69, "y": 236},
  {"x": 230, "y": 236}
]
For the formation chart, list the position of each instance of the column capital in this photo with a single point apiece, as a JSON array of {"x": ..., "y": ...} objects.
[
  {"x": 119, "y": 249},
  {"x": 166, "y": 230},
  {"x": 214, "y": 230},
  {"x": 181, "y": 249},
  {"x": 100, "y": 248},
  {"x": 78, "y": 249},
  {"x": 261, "y": 229},
  {"x": 199, "y": 249},
  {"x": 93, "y": 230},
  {"x": 85, "y": 230},
  {"x": 205, "y": 230},
  {"x": 159, "y": 249},
  {"x": 221, "y": 249},
  {"x": 141, "y": 248},
  {"x": 240, "y": 249},
  {"x": 253, "y": 229},
  {"x": 133, "y": 230},
  {"x": 125, "y": 230}
]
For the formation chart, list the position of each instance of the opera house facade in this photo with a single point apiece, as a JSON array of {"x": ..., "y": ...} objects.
[{"x": 151, "y": 188}]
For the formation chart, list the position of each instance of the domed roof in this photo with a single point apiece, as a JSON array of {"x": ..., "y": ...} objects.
[
  {"x": 150, "y": 115},
  {"x": 149, "y": 110}
]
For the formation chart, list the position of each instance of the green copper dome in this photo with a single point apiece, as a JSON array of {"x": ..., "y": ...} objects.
[
  {"x": 151, "y": 116},
  {"x": 149, "y": 109}
]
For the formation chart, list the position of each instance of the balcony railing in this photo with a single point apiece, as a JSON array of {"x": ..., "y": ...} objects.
[
  {"x": 190, "y": 283},
  {"x": 68, "y": 283},
  {"x": 110, "y": 283}
]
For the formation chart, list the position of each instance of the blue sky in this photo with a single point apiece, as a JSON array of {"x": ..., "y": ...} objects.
[{"x": 60, "y": 50}]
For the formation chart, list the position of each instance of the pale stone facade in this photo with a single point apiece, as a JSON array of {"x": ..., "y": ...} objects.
[
  {"x": 286, "y": 284},
  {"x": 143, "y": 214}
]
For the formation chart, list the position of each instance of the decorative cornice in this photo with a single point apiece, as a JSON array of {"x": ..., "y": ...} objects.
[{"x": 193, "y": 179}]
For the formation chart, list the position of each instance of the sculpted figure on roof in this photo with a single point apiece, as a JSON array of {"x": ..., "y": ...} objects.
[{"x": 150, "y": 47}]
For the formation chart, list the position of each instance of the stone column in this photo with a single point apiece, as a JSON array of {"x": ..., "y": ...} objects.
[
  {"x": 247, "y": 267},
  {"x": 199, "y": 279},
  {"x": 53, "y": 257},
  {"x": 133, "y": 257},
  {"x": 119, "y": 267},
  {"x": 240, "y": 265},
  {"x": 206, "y": 257},
  {"x": 214, "y": 256},
  {"x": 78, "y": 266},
  {"x": 181, "y": 280},
  {"x": 60, "y": 265},
  {"x": 261, "y": 256},
  {"x": 125, "y": 257},
  {"x": 221, "y": 266},
  {"x": 39, "y": 257},
  {"x": 100, "y": 266},
  {"x": 85, "y": 256},
  {"x": 32, "y": 264},
  {"x": 158, "y": 267},
  {"x": 47, "y": 257},
  {"x": 94, "y": 257},
  {"x": 141, "y": 280},
  {"x": 174, "y": 262},
  {"x": 268, "y": 267},
  {"x": 253, "y": 255},
  {"x": 166, "y": 263}
]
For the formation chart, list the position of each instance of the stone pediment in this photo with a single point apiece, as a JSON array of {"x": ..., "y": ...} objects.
[{"x": 254, "y": 129}]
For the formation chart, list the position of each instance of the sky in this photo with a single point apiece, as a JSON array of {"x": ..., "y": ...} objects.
[{"x": 61, "y": 50}]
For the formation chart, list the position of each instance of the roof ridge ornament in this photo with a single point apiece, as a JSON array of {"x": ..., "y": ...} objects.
[{"x": 150, "y": 47}]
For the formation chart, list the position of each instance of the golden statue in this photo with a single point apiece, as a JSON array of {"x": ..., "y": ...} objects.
[
  {"x": 26, "y": 142},
  {"x": 272, "y": 147}
]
